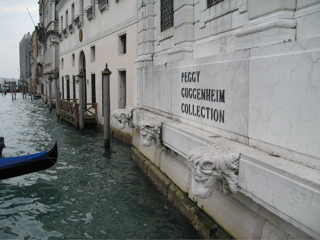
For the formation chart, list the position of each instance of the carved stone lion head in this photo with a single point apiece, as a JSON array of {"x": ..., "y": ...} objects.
[
  {"x": 213, "y": 165},
  {"x": 150, "y": 131}
]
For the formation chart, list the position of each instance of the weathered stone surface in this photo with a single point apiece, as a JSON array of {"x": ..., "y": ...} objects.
[
  {"x": 213, "y": 165},
  {"x": 200, "y": 220}
]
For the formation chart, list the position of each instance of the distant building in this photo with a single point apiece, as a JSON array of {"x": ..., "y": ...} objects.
[
  {"x": 48, "y": 49},
  {"x": 35, "y": 87},
  {"x": 25, "y": 58}
]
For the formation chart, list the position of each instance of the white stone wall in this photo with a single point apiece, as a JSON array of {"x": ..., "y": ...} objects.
[{"x": 263, "y": 56}]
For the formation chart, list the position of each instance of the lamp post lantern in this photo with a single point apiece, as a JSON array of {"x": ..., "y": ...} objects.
[{"x": 106, "y": 105}]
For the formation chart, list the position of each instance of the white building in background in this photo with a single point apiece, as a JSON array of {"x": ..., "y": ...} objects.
[
  {"x": 227, "y": 97},
  {"x": 48, "y": 52},
  {"x": 93, "y": 33},
  {"x": 25, "y": 58}
]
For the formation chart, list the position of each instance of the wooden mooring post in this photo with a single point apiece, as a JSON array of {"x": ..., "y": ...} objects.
[
  {"x": 1, "y": 145},
  {"x": 81, "y": 76},
  {"x": 106, "y": 105}
]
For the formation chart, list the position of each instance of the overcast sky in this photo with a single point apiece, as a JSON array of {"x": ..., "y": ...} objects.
[{"x": 15, "y": 21}]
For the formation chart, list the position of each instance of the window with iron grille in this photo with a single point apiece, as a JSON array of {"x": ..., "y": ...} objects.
[
  {"x": 211, "y": 3},
  {"x": 166, "y": 14}
]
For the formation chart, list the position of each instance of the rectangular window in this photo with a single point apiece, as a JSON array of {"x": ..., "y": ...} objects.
[
  {"x": 67, "y": 18},
  {"x": 72, "y": 12},
  {"x": 123, "y": 44},
  {"x": 93, "y": 88},
  {"x": 93, "y": 53},
  {"x": 122, "y": 89},
  {"x": 166, "y": 14},
  {"x": 62, "y": 85},
  {"x": 73, "y": 60},
  {"x": 68, "y": 87},
  {"x": 74, "y": 87},
  {"x": 211, "y": 3},
  {"x": 61, "y": 23}
]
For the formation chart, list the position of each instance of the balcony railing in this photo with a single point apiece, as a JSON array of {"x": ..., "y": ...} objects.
[
  {"x": 71, "y": 29},
  {"x": 52, "y": 26},
  {"x": 69, "y": 111},
  {"x": 211, "y": 3},
  {"x": 77, "y": 21},
  {"x": 90, "y": 12},
  {"x": 102, "y": 4},
  {"x": 65, "y": 33}
]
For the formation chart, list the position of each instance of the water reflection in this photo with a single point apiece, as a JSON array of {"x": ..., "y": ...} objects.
[{"x": 88, "y": 194}]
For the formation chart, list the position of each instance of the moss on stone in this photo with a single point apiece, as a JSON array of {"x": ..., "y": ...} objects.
[
  {"x": 207, "y": 228},
  {"x": 122, "y": 136},
  {"x": 160, "y": 180}
]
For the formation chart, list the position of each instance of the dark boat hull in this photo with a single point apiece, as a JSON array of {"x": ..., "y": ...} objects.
[{"x": 17, "y": 166}]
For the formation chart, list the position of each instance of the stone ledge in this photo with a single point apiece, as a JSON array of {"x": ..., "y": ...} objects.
[
  {"x": 199, "y": 219},
  {"x": 288, "y": 189}
]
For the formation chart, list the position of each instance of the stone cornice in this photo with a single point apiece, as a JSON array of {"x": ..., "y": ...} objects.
[
  {"x": 61, "y": 4},
  {"x": 276, "y": 23}
]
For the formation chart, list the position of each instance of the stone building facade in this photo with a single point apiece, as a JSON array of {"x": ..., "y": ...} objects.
[
  {"x": 25, "y": 58},
  {"x": 48, "y": 52},
  {"x": 93, "y": 34},
  {"x": 34, "y": 81},
  {"x": 226, "y": 107}
]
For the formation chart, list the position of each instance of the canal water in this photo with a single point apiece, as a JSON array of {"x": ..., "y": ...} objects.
[{"x": 88, "y": 194}]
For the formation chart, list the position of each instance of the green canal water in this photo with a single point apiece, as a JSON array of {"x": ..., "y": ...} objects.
[{"x": 89, "y": 194}]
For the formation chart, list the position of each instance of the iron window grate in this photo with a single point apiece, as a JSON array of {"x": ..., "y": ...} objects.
[
  {"x": 211, "y": 3},
  {"x": 166, "y": 14}
]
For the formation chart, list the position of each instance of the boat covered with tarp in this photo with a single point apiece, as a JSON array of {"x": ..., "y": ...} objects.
[{"x": 20, "y": 165}]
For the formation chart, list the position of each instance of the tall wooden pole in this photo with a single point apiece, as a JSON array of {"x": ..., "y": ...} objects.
[
  {"x": 106, "y": 105},
  {"x": 1, "y": 145},
  {"x": 12, "y": 90}
]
